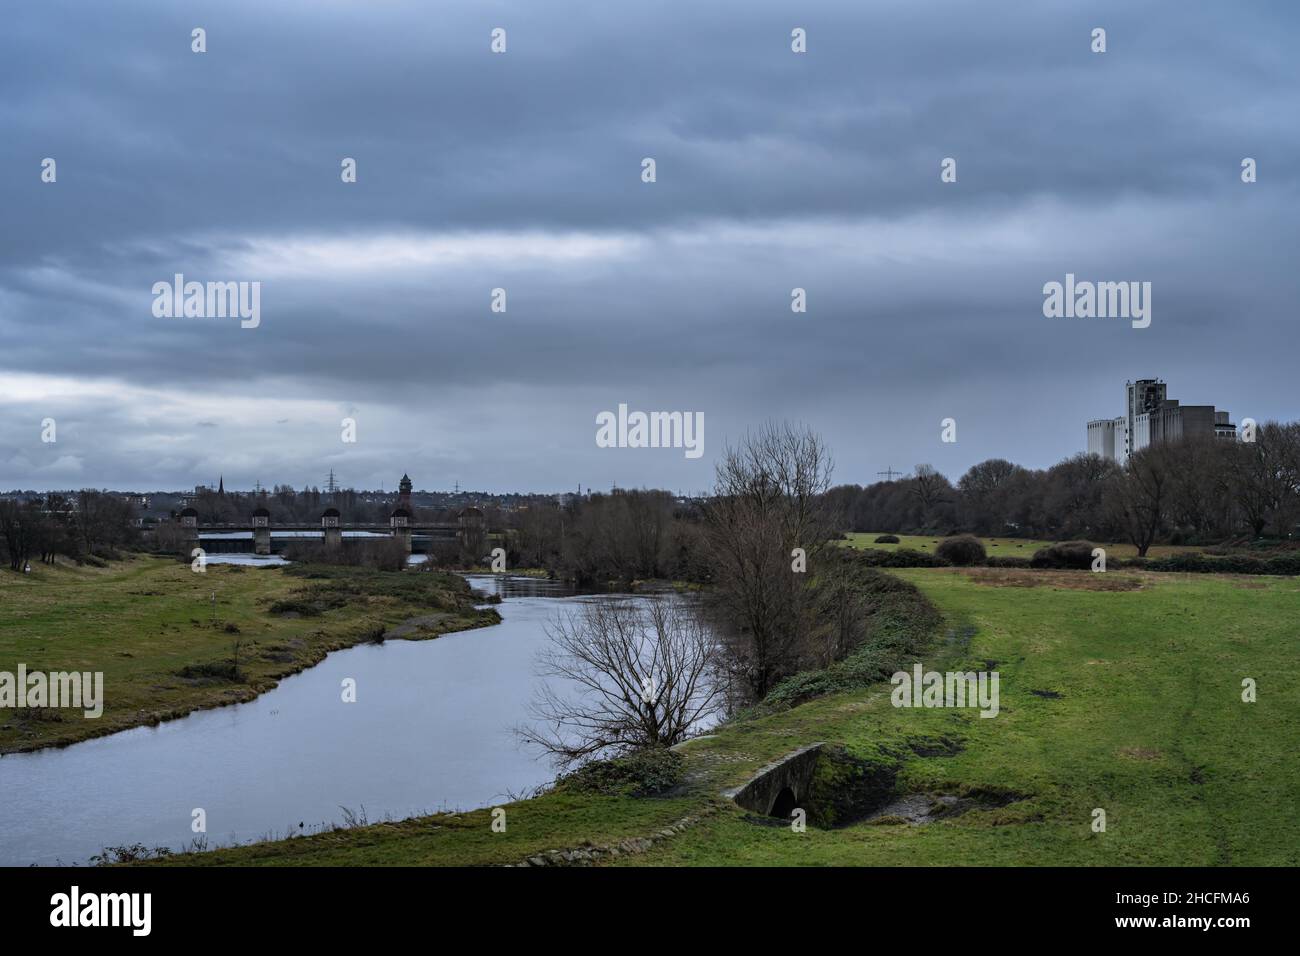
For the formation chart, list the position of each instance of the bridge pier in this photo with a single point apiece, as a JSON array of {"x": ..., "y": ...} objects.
[
  {"x": 190, "y": 525},
  {"x": 329, "y": 522},
  {"x": 400, "y": 522},
  {"x": 261, "y": 531}
]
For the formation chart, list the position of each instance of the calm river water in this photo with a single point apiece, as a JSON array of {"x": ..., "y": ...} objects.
[{"x": 431, "y": 730}]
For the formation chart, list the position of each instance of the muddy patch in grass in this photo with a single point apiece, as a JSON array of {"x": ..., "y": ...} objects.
[
  {"x": 1070, "y": 580},
  {"x": 957, "y": 639},
  {"x": 918, "y": 809},
  {"x": 936, "y": 747}
]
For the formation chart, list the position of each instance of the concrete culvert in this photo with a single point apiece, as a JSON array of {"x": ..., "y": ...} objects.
[
  {"x": 833, "y": 786},
  {"x": 775, "y": 789}
]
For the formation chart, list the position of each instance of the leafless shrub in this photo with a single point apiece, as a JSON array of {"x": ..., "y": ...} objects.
[
  {"x": 633, "y": 676},
  {"x": 769, "y": 498}
]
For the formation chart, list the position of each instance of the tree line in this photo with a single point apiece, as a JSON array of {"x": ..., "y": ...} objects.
[
  {"x": 87, "y": 526},
  {"x": 1195, "y": 491},
  {"x": 622, "y": 536}
]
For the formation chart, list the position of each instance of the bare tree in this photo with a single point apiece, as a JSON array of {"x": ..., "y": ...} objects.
[
  {"x": 931, "y": 490},
  {"x": 1198, "y": 485},
  {"x": 1264, "y": 475},
  {"x": 1141, "y": 494},
  {"x": 16, "y": 530},
  {"x": 769, "y": 499},
  {"x": 1073, "y": 496},
  {"x": 983, "y": 494},
  {"x": 636, "y": 677}
]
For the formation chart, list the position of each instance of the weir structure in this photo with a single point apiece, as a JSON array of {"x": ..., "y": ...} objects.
[{"x": 261, "y": 536}]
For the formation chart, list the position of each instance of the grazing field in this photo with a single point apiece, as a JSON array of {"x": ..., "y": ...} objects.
[
  {"x": 1120, "y": 692},
  {"x": 1006, "y": 547},
  {"x": 169, "y": 640}
]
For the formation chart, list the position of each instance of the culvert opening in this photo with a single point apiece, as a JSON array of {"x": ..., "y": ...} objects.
[
  {"x": 837, "y": 788},
  {"x": 832, "y": 786},
  {"x": 784, "y": 804}
]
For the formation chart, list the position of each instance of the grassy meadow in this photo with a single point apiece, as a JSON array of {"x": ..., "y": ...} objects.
[{"x": 1119, "y": 691}]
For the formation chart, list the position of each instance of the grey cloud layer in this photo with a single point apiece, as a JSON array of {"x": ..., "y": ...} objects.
[{"x": 775, "y": 170}]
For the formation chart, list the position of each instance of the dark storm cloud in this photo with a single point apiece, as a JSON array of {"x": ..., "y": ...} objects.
[{"x": 521, "y": 171}]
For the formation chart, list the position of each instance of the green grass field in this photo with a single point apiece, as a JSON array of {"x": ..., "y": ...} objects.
[
  {"x": 1149, "y": 726},
  {"x": 142, "y": 621},
  {"x": 1012, "y": 547}
]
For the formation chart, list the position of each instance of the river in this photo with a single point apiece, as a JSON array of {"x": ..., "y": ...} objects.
[{"x": 431, "y": 729}]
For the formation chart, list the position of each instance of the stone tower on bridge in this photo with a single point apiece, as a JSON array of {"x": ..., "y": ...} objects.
[
  {"x": 190, "y": 525},
  {"x": 261, "y": 531},
  {"x": 329, "y": 522}
]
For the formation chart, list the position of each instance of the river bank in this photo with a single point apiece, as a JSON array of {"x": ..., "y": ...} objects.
[
  {"x": 170, "y": 641},
  {"x": 374, "y": 732}
]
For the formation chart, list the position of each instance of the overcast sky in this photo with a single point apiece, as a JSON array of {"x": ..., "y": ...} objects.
[{"x": 522, "y": 171}]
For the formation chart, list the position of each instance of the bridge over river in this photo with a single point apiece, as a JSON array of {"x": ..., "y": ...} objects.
[{"x": 260, "y": 536}]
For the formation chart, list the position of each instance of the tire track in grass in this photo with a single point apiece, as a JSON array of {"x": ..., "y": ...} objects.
[{"x": 1195, "y": 774}]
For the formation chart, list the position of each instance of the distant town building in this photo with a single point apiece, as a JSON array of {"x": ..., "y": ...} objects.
[
  {"x": 1141, "y": 398},
  {"x": 1106, "y": 437},
  {"x": 1223, "y": 428},
  {"x": 1152, "y": 418}
]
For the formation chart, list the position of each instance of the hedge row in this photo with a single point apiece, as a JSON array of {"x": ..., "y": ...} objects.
[
  {"x": 1077, "y": 555},
  {"x": 902, "y": 558},
  {"x": 901, "y": 621},
  {"x": 1283, "y": 564}
]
